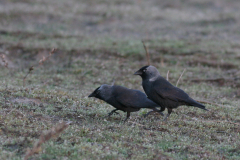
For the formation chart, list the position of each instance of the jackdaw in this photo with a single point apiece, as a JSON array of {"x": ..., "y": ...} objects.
[
  {"x": 124, "y": 99},
  {"x": 160, "y": 91}
]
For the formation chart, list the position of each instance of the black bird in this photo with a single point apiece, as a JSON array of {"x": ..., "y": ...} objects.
[
  {"x": 160, "y": 91},
  {"x": 124, "y": 99}
]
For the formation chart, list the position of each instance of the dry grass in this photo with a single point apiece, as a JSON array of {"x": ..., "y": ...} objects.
[
  {"x": 53, "y": 133},
  {"x": 5, "y": 63},
  {"x": 99, "y": 41},
  {"x": 41, "y": 61}
]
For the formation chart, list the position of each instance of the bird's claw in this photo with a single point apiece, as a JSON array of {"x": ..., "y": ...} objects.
[
  {"x": 165, "y": 119},
  {"x": 116, "y": 113},
  {"x": 111, "y": 113},
  {"x": 161, "y": 113},
  {"x": 145, "y": 115}
]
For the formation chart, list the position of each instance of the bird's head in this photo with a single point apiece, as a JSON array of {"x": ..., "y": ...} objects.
[
  {"x": 147, "y": 72},
  {"x": 95, "y": 93},
  {"x": 101, "y": 92}
]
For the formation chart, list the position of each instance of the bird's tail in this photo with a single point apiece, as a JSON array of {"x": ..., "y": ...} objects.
[{"x": 197, "y": 104}]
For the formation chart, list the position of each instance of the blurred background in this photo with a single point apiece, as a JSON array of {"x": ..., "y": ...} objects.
[
  {"x": 99, "y": 41},
  {"x": 122, "y": 19}
]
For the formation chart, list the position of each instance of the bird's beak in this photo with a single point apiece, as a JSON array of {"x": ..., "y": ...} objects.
[
  {"x": 139, "y": 72},
  {"x": 92, "y": 95}
]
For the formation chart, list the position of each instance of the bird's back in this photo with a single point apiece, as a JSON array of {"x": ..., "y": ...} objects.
[
  {"x": 164, "y": 93},
  {"x": 132, "y": 98}
]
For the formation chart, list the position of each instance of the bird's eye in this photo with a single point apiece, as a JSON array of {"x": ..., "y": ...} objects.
[{"x": 144, "y": 70}]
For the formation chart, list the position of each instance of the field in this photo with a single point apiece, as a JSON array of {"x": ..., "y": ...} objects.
[{"x": 98, "y": 42}]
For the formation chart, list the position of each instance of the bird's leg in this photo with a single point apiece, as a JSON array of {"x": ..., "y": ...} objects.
[
  {"x": 154, "y": 110},
  {"x": 113, "y": 111},
  {"x": 158, "y": 111},
  {"x": 128, "y": 115},
  {"x": 169, "y": 112},
  {"x": 145, "y": 115},
  {"x": 162, "y": 109}
]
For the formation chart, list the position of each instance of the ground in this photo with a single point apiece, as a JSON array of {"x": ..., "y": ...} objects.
[{"x": 98, "y": 42}]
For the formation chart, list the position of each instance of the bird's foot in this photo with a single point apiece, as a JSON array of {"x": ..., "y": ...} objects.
[
  {"x": 125, "y": 120},
  {"x": 145, "y": 115},
  {"x": 166, "y": 118},
  {"x": 111, "y": 113},
  {"x": 161, "y": 113},
  {"x": 128, "y": 115},
  {"x": 115, "y": 113}
]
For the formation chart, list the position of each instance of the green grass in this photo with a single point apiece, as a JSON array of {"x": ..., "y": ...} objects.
[{"x": 97, "y": 45}]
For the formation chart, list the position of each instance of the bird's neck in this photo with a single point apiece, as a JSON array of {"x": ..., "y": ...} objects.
[
  {"x": 153, "y": 78},
  {"x": 106, "y": 95}
]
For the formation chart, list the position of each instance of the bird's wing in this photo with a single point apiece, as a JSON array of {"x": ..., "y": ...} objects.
[
  {"x": 168, "y": 91},
  {"x": 125, "y": 100},
  {"x": 123, "y": 96},
  {"x": 130, "y": 98},
  {"x": 134, "y": 99}
]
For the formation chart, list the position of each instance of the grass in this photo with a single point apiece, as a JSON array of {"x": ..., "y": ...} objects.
[{"x": 93, "y": 48}]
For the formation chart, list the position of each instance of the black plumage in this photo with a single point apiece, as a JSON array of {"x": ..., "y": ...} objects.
[
  {"x": 124, "y": 99},
  {"x": 159, "y": 90}
]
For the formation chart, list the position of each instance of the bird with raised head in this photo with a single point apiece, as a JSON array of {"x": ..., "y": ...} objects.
[
  {"x": 162, "y": 92},
  {"x": 124, "y": 99}
]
